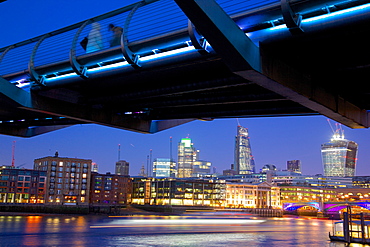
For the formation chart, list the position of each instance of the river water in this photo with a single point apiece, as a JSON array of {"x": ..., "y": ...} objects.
[{"x": 164, "y": 231}]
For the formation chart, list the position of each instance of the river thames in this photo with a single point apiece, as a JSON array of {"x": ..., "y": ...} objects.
[{"x": 164, "y": 231}]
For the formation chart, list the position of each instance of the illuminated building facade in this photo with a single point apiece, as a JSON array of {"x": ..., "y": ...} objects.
[
  {"x": 243, "y": 159},
  {"x": 22, "y": 186},
  {"x": 186, "y": 156},
  {"x": 110, "y": 189},
  {"x": 294, "y": 166},
  {"x": 181, "y": 192},
  {"x": 296, "y": 194},
  {"x": 164, "y": 168},
  {"x": 361, "y": 181},
  {"x": 353, "y": 194},
  {"x": 339, "y": 156},
  {"x": 201, "y": 167},
  {"x": 68, "y": 179},
  {"x": 122, "y": 168},
  {"x": 247, "y": 195}
]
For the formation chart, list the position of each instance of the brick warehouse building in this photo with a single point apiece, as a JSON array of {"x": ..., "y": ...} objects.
[{"x": 110, "y": 189}]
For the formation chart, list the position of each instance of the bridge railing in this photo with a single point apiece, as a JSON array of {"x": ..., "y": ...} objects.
[{"x": 150, "y": 26}]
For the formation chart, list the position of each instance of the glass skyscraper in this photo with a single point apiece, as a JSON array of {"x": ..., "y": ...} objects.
[
  {"x": 339, "y": 157},
  {"x": 186, "y": 156},
  {"x": 164, "y": 168},
  {"x": 243, "y": 159}
]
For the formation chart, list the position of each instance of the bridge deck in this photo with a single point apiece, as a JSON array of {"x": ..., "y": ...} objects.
[{"x": 164, "y": 70}]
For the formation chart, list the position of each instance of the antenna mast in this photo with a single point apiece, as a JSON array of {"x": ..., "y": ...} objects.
[
  {"x": 119, "y": 152},
  {"x": 170, "y": 149},
  {"x": 13, "y": 150}
]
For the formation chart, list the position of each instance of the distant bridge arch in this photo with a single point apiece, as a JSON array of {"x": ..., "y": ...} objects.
[
  {"x": 338, "y": 206},
  {"x": 296, "y": 205}
]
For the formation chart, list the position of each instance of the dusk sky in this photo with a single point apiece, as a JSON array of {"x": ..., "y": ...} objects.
[{"x": 274, "y": 140}]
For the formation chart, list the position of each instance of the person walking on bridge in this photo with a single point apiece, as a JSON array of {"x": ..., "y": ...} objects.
[
  {"x": 116, "y": 37},
  {"x": 95, "y": 40}
]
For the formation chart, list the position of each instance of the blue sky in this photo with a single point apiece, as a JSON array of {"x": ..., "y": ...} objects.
[{"x": 274, "y": 140}]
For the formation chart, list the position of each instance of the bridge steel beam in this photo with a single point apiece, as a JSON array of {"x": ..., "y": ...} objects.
[
  {"x": 250, "y": 62},
  {"x": 85, "y": 114}
]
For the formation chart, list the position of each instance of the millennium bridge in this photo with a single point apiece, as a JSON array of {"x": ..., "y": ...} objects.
[{"x": 184, "y": 60}]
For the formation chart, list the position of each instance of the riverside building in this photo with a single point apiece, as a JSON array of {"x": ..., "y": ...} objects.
[
  {"x": 110, "y": 189},
  {"x": 22, "y": 186},
  {"x": 178, "y": 192},
  {"x": 68, "y": 179},
  {"x": 247, "y": 195}
]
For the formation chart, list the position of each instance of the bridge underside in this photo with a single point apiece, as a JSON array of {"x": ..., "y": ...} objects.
[{"x": 311, "y": 73}]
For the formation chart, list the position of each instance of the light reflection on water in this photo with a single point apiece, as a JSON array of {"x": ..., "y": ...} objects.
[{"x": 157, "y": 231}]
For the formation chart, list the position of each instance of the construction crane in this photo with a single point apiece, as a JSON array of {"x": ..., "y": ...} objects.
[{"x": 13, "y": 150}]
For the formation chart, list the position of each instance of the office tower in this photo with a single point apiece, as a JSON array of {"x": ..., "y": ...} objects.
[
  {"x": 122, "y": 167},
  {"x": 186, "y": 157},
  {"x": 68, "y": 179},
  {"x": 243, "y": 159},
  {"x": 164, "y": 168},
  {"x": 201, "y": 167},
  {"x": 339, "y": 156},
  {"x": 294, "y": 166}
]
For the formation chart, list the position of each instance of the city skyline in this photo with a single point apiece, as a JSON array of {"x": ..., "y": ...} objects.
[
  {"x": 275, "y": 140},
  {"x": 101, "y": 144}
]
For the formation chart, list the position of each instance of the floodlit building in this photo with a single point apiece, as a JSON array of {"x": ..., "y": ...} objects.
[
  {"x": 68, "y": 179},
  {"x": 163, "y": 167},
  {"x": 201, "y": 167},
  {"x": 22, "y": 186},
  {"x": 122, "y": 167},
  {"x": 339, "y": 156},
  {"x": 361, "y": 181},
  {"x": 180, "y": 192},
  {"x": 247, "y": 195},
  {"x": 297, "y": 194},
  {"x": 187, "y": 154},
  {"x": 243, "y": 159}
]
